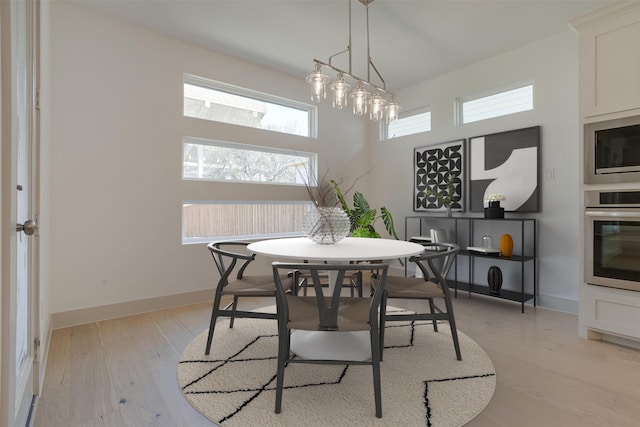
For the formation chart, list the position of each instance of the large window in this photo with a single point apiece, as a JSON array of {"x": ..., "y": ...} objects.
[
  {"x": 409, "y": 123},
  {"x": 496, "y": 104},
  {"x": 230, "y": 162},
  {"x": 210, "y": 100},
  {"x": 229, "y": 220},
  {"x": 210, "y": 160}
]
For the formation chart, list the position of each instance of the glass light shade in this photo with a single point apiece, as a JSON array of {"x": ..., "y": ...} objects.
[
  {"x": 392, "y": 112},
  {"x": 318, "y": 82},
  {"x": 340, "y": 92},
  {"x": 377, "y": 107},
  {"x": 360, "y": 100}
]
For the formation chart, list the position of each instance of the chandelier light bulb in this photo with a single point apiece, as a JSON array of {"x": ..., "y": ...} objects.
[
  {"x": 377, "y": 107},
  {"x": 318, "y": 83},
  {"x": 360, "y": 100},
  {"x": 392, "y": 111},
  {"x": 340, "y": 91}
]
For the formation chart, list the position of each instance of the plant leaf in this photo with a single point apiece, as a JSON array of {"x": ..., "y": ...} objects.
[
  {"x": 367, "y": 218},
  {"x": 360, "y": 203},
  {"x": 366, "y": 231},
  {"x": 340, "y": 196},
  {"x": 388, "y": 222}
]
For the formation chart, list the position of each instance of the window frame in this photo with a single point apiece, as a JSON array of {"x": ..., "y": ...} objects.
[
  {"x": 312, "y": 157},
  {"x": 312, "y": 110},
  {"x": 460, "y": 101},
  {"x": 384, "y": 127},
  {"x": 208, "y": 239}
]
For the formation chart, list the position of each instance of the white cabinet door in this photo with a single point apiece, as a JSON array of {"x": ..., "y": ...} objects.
[{"x": 610, "y": 64}]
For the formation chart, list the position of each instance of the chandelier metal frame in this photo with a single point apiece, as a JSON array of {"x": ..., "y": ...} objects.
[{"x": 382, "y": 101}]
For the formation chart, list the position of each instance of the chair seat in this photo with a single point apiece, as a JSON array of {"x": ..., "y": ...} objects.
[
  {"x": 303, "y": 314},
  {"x": 411, "y": 287},
  {"x": 252, "y": 286}
]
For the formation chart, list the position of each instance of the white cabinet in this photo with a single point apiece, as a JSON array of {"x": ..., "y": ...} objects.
[
  {"x": 609, "y": 74},
  {"x": 610, "y": 311},
  {"x": 610, "y": 60}
]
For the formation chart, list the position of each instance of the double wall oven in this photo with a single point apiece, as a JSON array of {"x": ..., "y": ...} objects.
[{"x": 612, "y": 238}]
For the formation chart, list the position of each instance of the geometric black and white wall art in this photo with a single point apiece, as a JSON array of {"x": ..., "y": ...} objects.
[
  {"x": 507, "y": 163},
  {"x": 434, "y": 165}
]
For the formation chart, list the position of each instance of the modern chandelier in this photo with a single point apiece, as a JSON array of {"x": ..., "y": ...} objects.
[{"x": 381, "y": 104}]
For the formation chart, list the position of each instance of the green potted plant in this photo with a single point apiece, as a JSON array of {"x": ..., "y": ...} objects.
[{"x": 362, "y": 217}]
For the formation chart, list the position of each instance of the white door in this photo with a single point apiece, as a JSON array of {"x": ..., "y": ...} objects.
[{"x": 19, "y": 313}]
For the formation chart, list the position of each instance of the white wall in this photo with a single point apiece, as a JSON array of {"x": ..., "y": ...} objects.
[
  {"x": 116, "y": 130},
  {"x": 553, "y": 65}
]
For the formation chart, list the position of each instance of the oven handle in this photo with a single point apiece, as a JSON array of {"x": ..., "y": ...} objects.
[{"x": 617, "y": 213}]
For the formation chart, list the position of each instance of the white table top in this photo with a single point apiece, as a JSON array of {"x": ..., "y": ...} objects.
[{"x": 348, "y": 249}]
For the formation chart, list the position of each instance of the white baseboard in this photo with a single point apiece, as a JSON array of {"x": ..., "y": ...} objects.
[
  {"x": 564, "y": 305},
  {"x": 112, "y": 311}
]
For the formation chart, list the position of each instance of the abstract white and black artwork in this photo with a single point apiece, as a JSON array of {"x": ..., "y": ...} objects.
[
  {"x": 506, "y": 163},
  {"x": 434, "y": 167}
]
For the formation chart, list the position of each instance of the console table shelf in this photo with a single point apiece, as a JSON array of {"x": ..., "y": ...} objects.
[
  {"x": 521, "y": 278},
  {"x": 519, "y": 258},
  {"x": 484, "y": 290}
]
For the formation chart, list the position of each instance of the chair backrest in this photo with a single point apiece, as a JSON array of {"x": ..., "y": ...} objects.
[
  {"x": 327, "y": 299},
  {"x": 439, "y": 258},
  {"x": 227, "y": 254}
]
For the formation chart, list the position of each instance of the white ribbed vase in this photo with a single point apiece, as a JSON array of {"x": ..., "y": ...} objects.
[{"x": 326, "y": 225}]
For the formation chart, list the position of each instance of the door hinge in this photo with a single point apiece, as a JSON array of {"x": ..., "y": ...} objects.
[
  {"x": 36, "y": 347},
  {"x": 37, "y": 100}
]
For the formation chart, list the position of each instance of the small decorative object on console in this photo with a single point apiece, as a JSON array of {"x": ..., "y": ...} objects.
[
  {"x": 494, "y": 210},
  {"x": 494, "y": 278},
  {"x": 506, "y": 245},
  {"x": 486, "y": 251}
]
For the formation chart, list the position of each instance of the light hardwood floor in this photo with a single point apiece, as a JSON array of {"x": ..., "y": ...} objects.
[{"x": 122, "y": 372}]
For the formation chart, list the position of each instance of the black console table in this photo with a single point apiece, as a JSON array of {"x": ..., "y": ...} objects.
[{"x": 520, "y": 269}]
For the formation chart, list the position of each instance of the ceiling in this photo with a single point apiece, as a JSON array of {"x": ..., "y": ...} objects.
[{"x": 410, "y": 40}]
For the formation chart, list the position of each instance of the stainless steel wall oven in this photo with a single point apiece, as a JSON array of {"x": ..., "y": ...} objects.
[{"x": 612, "y": 239}]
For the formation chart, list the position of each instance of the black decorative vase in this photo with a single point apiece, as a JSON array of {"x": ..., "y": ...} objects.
[
  {"x": 494, "y": 210},
  {"x": 494, "y": 277}
]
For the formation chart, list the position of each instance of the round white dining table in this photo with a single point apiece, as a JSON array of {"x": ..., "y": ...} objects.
[
  {"x": 347, "y": 249},
  {"x": 334, "y": 345}
]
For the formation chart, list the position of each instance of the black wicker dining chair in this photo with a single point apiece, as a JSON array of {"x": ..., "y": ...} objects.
[
  {"x": 232, "y": 257},
  {"x": 327, "y": 311},
  {"x": 435, "y": 263}
]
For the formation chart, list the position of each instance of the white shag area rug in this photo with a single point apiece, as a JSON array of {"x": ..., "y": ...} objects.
[{"x": 422, "y": 382}]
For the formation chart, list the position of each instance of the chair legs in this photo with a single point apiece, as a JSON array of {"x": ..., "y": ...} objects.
[
  {"x": 375, "y": 364},
  {"x": 212, "y": 323},
  {"x": 214, "y": 317},
  {"x": 434, "y": 311},
  {"x": 432, "y": 307},
  {"x": 381, "y": 323},
  {"x": 235, "y": 306},
  {"x": 283, "y": 355},
  {"x": 452, "y": 325}
]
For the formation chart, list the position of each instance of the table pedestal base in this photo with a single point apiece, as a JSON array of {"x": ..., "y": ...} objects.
[{"x": 350, "y": 346}]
